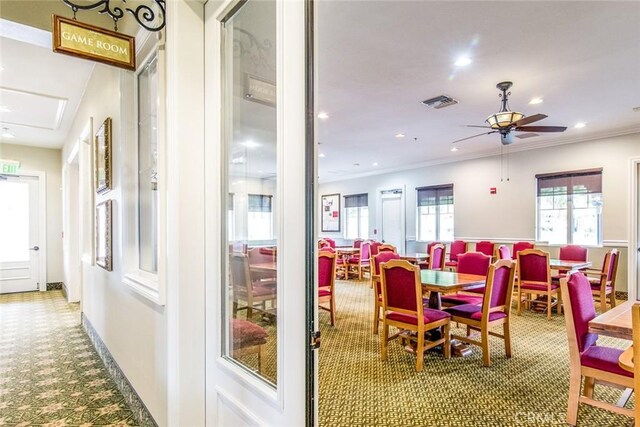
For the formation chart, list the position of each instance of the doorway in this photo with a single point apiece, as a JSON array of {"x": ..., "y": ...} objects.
[
  {"x": 22, "y": 222},
  {"x": 393, "y": 218}
]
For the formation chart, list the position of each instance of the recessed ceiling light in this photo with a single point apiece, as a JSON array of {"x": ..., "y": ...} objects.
[
  {"x": 239, "y": 160},
  {"x": 4, "y": 109},
  {"x": 400, "y": 135},
  {"x": 580, "y": 125},
  {"x": 375, "y": 163},
  {"x": 321, "y": 155},
  {"x": 323, "y": 115},
  {"x": 454, "y": 149},
  {"x": 462, "y": 61},
  {"x": 250, "y": 144},
  {"x": 356, "y": 164},
  {"x": 535, "y": 101}
]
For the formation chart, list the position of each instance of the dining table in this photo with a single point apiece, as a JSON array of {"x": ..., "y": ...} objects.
[
  {"x": 415, "y": 257},
  {"x": 438, "y": 282},
  {"x": 566, "y": 265}
]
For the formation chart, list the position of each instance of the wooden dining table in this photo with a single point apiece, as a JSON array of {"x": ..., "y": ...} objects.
[
  {"x": 615, "y": 322},
  {"x": 566, "y": 265},
  {"x": 415, "y": 257},
  {"x": 444, "y": 282}
]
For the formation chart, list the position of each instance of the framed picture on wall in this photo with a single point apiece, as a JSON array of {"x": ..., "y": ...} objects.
[
  {"x": 103, "y": 236},
  {"x": 102, "y": 157},
  {"x": 331, "y": 212}
]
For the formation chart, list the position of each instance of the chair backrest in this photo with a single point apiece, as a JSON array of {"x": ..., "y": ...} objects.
[
  {"x": 401, "y": 288},
  {"x": 485, "y": 247},
  {"x": 430, "y": 245},
  {"x": 611, "y": 267},
  {"x": 357, "y": 243},
  {"x": 387, "y": 248},
  {"x": 326, "y": 269},
  {"x": 437, "y": 257},
  {"x": 328, "y": 249},
  {"x": 579, "y": 311},
  {"x": 497, "y": 292},
  {"x": 239, "y": 269},
  {"x": 503, "y": 252},
  {"x": 457, "y": 247},
  {"x": 533, "y": 266},
  {"x": 365, "y": 251},
  {"x": 573, "y": 253},
  {"x": 376, "y": 260},
  {"x": 323, "y": 244},
  {"x": 473, "y": 263},
  {"x": 260, "y": 255},
  {"x": 332, "y": 242},
  {"x": 520, "y": 246},
  {"x": 374, "y": 247}
]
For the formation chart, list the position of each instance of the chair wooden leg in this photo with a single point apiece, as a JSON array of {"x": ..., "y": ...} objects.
[
  {"x": 250, "y": 311},
  {"x": 486, "y": 359},
  {"x": 383, "y": 340},
  {"x": 613, "y": 298},
  {"x": 359, "y": 273},
  {"x": 507, "y": 338},
  {"x": 420, "y": 351},
  {"x": 548, "y": 306},
  {"x": 376, "y": 314},
  {"x": 519, "y": 301},
  {"x": 559, "y": 296},
  {"x": 447, "y": 341},
  {"x": 260, "y": 357},
  {"x": 589, "y": 384},
  {"x": 603, "y": 303},
  {"x": 574, "y": 396},
  {"x": 332, "y": 306}
]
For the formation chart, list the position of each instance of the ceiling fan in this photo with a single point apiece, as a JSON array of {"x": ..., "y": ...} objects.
[{"x": 505, "y": 121}]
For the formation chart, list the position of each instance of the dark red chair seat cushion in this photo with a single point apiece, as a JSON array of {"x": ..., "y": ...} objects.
[
  {"x": 476, "y": 290},
  {"x": 472, "y": 311},
  {"x": 322, "y": 292},
  {"x": 537, "y": 287},
  {"x": 451, "y": 263},
  {"x": 356, "y": 261},
  {"x": 605, "y": 359},
  {"x": 247, "y": 334},
  {"x": 430, "y": 315},
  {"x": 458, "y": 299}
]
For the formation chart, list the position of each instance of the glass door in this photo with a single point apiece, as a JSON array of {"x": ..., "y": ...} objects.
[{"x": 259, "y": 188}]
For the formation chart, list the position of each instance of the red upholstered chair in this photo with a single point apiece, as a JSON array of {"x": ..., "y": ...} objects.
[
  {"x": 248, "y": 338},
  {"x": 603, "y": 282},
  {"x": 469, "y": 263},
  {"x": 377, "y": 284},
  {"x": 494, "y": 311},
  {"x": 432, "y": 244},
  {"x": 323, "y": 244},
  {"x": 332, "y": 242},
  {"x": 573, "y": 253},
  {"x": 534, "y": 278},
  {"x": 586, "y": 358},
  {"x": 386, "y": 248},
  {"x": 360, "y": 262},
  {"x": 403, "y": 309},
  {"x": 326, "y": 282},
  {"x": 485, "y": 247},
  {"x": 357, "y": 243},
  {"x": 375, "y": 247},
  {"x": 250, "y": 291},
  {"x": 520, "y": 246},
  {"x": 503, "y": 252},
  {"x": 437, "y": 255},
  {"x": 457, "y": 247}
]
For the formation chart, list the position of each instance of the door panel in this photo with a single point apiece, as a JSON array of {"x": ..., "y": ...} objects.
[
  {"x": 391, "y": 225},
  {"x": 19, "y": 251}
]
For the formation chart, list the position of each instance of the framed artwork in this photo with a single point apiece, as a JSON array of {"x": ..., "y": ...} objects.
[
  {"x": 331, "y": 212},
  {"x": 102, "y": 157},
  {"x": 103, "y": 235}
]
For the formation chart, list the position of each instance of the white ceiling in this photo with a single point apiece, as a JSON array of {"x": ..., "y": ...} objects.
[
  {"x": 40, "y": 89},
  {"x": 378, "y": 59}
]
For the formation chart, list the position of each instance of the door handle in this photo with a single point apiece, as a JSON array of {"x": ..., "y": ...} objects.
[{"x": 35, "y": 248}]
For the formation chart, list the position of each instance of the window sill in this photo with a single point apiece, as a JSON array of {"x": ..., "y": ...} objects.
[{"x": 146, "y": 285}]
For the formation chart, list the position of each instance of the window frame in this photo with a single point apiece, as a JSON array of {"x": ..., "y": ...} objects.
[
  {"x": 359, "y": 233},
  {"x": 438, "y": 211},
  {"x": 570, "y": 206}
]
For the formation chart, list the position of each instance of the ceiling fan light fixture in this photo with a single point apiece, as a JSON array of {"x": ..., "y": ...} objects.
[{"x": 503, "y": 119}]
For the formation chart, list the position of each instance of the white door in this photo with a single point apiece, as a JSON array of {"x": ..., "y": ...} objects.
[
  {"x": 393, "y": 218},
  {"x": 259, "y": 362},
  {"x": 19, "y": 220}
]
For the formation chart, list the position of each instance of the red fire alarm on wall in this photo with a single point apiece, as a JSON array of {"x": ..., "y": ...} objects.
[{"x": 492, "y": 190}]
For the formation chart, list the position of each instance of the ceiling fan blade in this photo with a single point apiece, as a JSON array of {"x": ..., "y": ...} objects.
[
  {"x": 469, "y": 137},
  {"x": 476, "y": 126},
  {"x": 529, "y": 119},
  {"x": 541, "y": 128}
]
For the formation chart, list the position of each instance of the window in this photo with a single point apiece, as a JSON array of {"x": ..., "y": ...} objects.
[
  {"x": 260, "y": 217},
  {"x": 570, "y": 208},
  {"x": 356, "y": 210},
  {"x": 435, "y": 213}
]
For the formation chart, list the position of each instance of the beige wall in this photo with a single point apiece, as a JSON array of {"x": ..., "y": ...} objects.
[
  {"x": 510, "y": 214},
  {"x": 49, "y": 161}
]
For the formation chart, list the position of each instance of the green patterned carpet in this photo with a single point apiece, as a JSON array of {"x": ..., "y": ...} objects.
[
  {"x": 50, "y": 374},
  {"x": 530, "y": 389}
]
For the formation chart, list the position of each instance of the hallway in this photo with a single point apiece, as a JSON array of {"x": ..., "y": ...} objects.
[{"x": 50, "y": 374}]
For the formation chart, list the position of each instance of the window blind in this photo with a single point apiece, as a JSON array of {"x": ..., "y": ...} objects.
[
  {"x": 356, "y": 200},
  {"x": 435, "y": 195},
  {"x": 259, "y": 203},
  {"x": 576, "y": 182}
]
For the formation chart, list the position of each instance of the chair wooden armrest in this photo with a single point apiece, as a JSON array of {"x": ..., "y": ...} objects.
[
  {"x": 594, "y": 272},
  {"x": 626, "y": 359}
]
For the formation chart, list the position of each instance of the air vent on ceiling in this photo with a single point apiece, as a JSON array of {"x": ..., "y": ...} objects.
[
  {"x": 526, "y": 135},
  {"x": 440, "y": 102}
]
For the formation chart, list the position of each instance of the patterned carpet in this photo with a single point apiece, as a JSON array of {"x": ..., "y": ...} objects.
[
  {"x": 50, "y": 374},
  {"x": 530, "y": 389}
]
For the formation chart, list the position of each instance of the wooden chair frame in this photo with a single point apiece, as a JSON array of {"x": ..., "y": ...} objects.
[
  {"x": 330, "y": 298},
  {"x": 240, "y": 288},
  {"x": 377, "y": 297},
  {"x": 444, "y": 257},
  {"x": 591, "y": 376},
  {"x": 253, "y": 349},
  {"x": 360, "y": 267},
  {"x": 420, "y": 329},
  {"x": 388, "y": 248},
  {"x": 605, "y": 280},
  {"x": 484, "y": 325},
  {"x": 549, "y": 292}
]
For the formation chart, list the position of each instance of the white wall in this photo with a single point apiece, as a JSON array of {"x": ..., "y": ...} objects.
[
  {"x": 510, "y": 214},
  {"x": 49, "y": 161},
  {"x": 133, "y": 328}
]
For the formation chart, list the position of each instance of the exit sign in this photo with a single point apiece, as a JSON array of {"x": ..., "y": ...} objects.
[{"x": 9, "y": 166}]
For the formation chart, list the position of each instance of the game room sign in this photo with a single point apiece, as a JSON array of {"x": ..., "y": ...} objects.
[{"x": 94, "y": 43}]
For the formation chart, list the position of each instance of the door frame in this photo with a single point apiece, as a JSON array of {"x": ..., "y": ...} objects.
[
  {"x": 634, "y": 229},
  {"x": 42, "y": 224},
  {"x": 71, "y": 242},
  {"x": 403, "y": 212}
]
